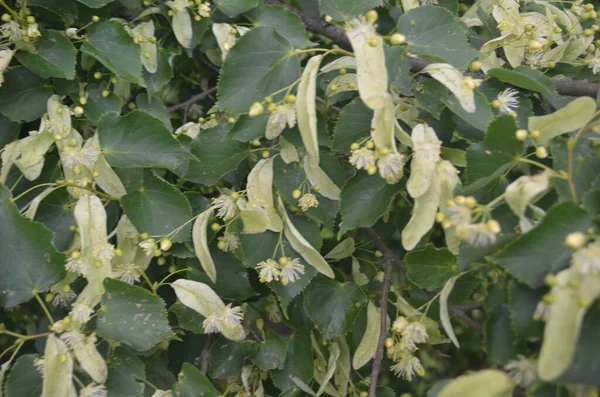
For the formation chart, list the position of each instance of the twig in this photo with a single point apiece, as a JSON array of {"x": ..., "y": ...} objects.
[
  {"x": 194, "y": 99},
  {"x": 387, "y": 278},
  {"x": 385, "y": 250},
  {"x": 462, "y": 316},
  {"x": 338, "y": 35}
]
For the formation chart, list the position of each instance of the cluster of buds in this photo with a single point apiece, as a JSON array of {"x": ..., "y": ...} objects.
[
  {"x": 306, "y": 200},
  {"x": 401, "y": 347},
  {"x": 390, "y": 165},
  {"x": 153, "y": 247},
  {"x": 541, "y": 152},
  {"x": 285, "y": 270},
  {"x": 460, "y": 212}
]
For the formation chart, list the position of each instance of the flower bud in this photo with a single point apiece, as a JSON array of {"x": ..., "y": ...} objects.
[
  {"x": 372, "y": 42},
  {"x": 541, "y": 152},
  {"x": 378, "y": 254},
  {"x": 354, "y": 146},
  {"x": 397, "y": 39},
  {"x": 550, "y": 280},
  {"x": 496, "y": 104},
  {"x": 535, "y": 134},
  {"x": 105, "y": 93},
  {"x": 476, "y": 66},
  {"x": 6, "y": 17},
  {"x": 260, "y": 323},
  {"x": 470, "y": 202},
  {"x": 535, "y": 45},
  {"x": 144, "y": 236},
  {"x": 283, "y": 260},
  {"x": 439, "y": 217},
  {"x": 255, "y": 142},
  {"x": 165, "y": 244},
  {"x": 460, "y": 200},
  {"x": 161, "y": 261},
  {"x": 551, "y": 65},
  {"x": 265, "y": 154},
  {"x": 342, "y": 72},
  {"x": 78, "y": 110},
  {"x": 197, "y": 18},
  {"x": 256, "y": 109},
  {"x": 296, "y": 194},
  {"x": 446, "y": 224},
  {"x": 588, "y": 32},
  {"x": 371, "y": 170},
  {"x": 493, "y": 226},
  {"x": 30, "y": 19},
  {"x": 575, "y": 240},
  {"x": 290, "y": 99},
  {"x": 221, "y": 245},
  {"x": 97, "y": 75},
  {"x": 215, "y": 227},
  {"x": 95, "y": 18},
  {"x": 328, "y": 18},
  {"x": 235, "y": 196}
]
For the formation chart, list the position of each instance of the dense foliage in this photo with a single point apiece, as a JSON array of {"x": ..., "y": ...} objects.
[{"x": 339, "y": 197}]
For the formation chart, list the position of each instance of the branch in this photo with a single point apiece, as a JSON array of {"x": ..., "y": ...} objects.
[
  {"x": 192, "y": 100},
  {"x": 205, "y": 355},
  {"x": 383, "y": 303},
  {"x": 338, "y": 35}
]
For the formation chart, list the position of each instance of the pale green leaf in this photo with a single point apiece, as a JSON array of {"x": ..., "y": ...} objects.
[
  {"x": 318, "y": 177},
  {"x": 260, "y": 190},
  {"x": 383, "y": 124},
  {"x": 255, "y": 220},
  {"x": 198, "y": 296},
  {"x": 182, "y": 27},
  {"x": 90, "y": 360},
  {"x": 306, "y": 107},
  {"x": 343, "y": 250},
  {"x": 200, "y": 240},
  {"x": 368, "y": 344},
  {"x": 332, "y": 362},
  {"x": 573, "y": 116},
  {"x": 426, "y": 146},
  {"x": 58, "y": 368},
  {"x": 489, "y": 383},
  {"x": 444, "y": 315},
  {"x": 454, "y": 80},
  {"x": 423, "y": 215}
]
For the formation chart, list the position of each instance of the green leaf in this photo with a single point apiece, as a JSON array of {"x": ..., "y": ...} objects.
[
  {"x": 435, "y": 33},
  {"x": 341, "y": 10},
  {"x": 364, "y": 199},
  {"x": 430, "y": 268},
  {"x": 398, "y": 68},
  {"x": 248, "y": 128},
  {"x": 260, "y": 63},
  {"x": 28, "y": 244},
  {"x": 54, "y": 56},
  {"x": 232, "y": 282},
  {"x": 158, "y": 208},
  {"x": 524, "y": 77},
  {"x": 191, "y": 383},
  {"x": 298, "y": 361},
  {"x": 24, "y": 380},
  {"x": 489, "y": 159},
  {"x": 480, "y": 119},
  {"x": 125, "y": 373},
  {"x": 585, "y": 163},
  {"x": 139, "y": 140},
  {"x": 187, "y": 318},
  {"x": 64, "y": 9},
  {"x": 586, "y": 363},
  {"x": 23, "y": 95},
  {"x": 233, "y": 8},
  {"x": 575, "y": 115},
  {"x": 258, "y": 247},
  {"x": 97, "y": 104},
  {"x": 95, "y": 3},
  {"x": 286, "y": 293},
  {"x": 227, "y": 357},
  {"x": 353, "y": 125},
  {"x": 432, "y": 96},
  {"x": 271, "y": 352},
  {"x": 542, "y": 250},
  {"x": 368, "y": 344},
  {"x": 217, "y": 154},
  {"x": 164, "y": 73},
  {"x": 286, "y": 23},
  {"x": 344, "y": 302},
  {"x": 155, "y": 108},
  {"x": 107, "y": 38},
  {"x": 523, "y": 300},
  {"x": 132, "y": 316},
  {"x": 56, "y": 214},
  {"x": 500, "y": 336}
]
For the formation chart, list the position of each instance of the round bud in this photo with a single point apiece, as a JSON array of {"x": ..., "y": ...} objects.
[
  {"x": 146, "y": 3},
  {"x": 83, "y": 100},
  {"x": 372, "y": 42},
  {"x": 551, "y": 65},
  {"x": 260, "y": 323},
  {"x": 328, "y": 18},
  {"x": 590, "y": 49},
  {"x": 161, "y": 261},
  {"x": 588, "y": 32},
  {"x": 583, "y": 302},
  {"x": 354, "y": 146},
  {"x": 170, "y": 13},
  {"x": 371, "y": 16},
  {"x": 235, "y": 196},
  {"x": 152, "y": 39},
  {"x": 78, "y": 110},
  {"x": 364, "y": 394},
  {"x": 370, "y": 145},
  {"x": 585, "y": 16},
  {"x": 595, "y": 28},
  {"x": 593, "y": 14},
  {"x": 535, "y": 134},
  {"x": 541, "y": 152},
  {"x": 371, "y": 170},
  {"x": 439, "y": 217},
  {"x": 268, "y": 99},
  {"x": 231, "y": 120},
  {"x": 49, "y": 298},
  {"x": 470, "y": 202},
  {"x": 272, "y": 107},
  {"x": 383, "y": 151},
  {"x": 30, "y": 19},
  {"x": 378, "y": 254},
  {"x": 97, "y": 75},
  {"x": 493, "y": 226},
  {"x": 460, "y": 200},
  {"x": 463, "y": 7},
  {"x": 197, "y": 18},
  {"x": 342, "y": 72},
  {"x": 588, "y": 7},
  {"x": 256, "y": 109},
  {"x": 283, "y": 260},
  {"x": 575, "y": 240},
  {"x": 255, "y": 142},
  {"x": 296, "y": 194},
  {"x": 95, "y": 18},
  {"x": 535, "y": 45},
  {"x": 528, "y": 27},
  {"x": 389, "y": 342},
  {"x": 521, "y": 135},
  {"x": 316, "y": 188},
  {"x": 215, "y": 227},
  {"x": 333, "y": 87},
  {"x": 476, "y": 66},
  {"x": 446, "y": 224},
  {"x": 146, "y": 55},
  {"x": 290, "y": 99},
  {"x": 6, "y": 17},
  {"x": 165, "y": 244},
  {"x": 118, "y": 252},
  {"x": 496, "y": 104},
  {"x": 131, "y": 106},
  {"x": 557, "y": 30},
  {"x": 105, "y": 93},
  {"x": 265, "y": 154},
  {"x": 397, "y": 39},
  {"x": 221, "y": 245},
  {"x": 352, "y": 86},
  {"x": 550, "y": 280},
  {"x": 144, "y": 236}
]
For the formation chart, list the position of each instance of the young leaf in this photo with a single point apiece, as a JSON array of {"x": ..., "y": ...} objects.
[
  {"x": 343, "y": 250},
  {"x": 487, "y": 382},
  {"x": 191, "y": 382},
  {"x": 306, "y": 108},
  {"x": 575, "y": 115},
  {"x": 303, "y": 247},
  {"x": 58, "y": 368},
  {"x": 260, "y": 189},
  {"x": 455, "y": 82},
  {"x": 444, "y": 316},
  {"x": 368, "y": 344},
  {"x": 200, "y": 240},
  {"x": 431, "y": 267}
]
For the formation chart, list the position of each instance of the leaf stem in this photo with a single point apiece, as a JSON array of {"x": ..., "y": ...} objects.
[{"x": 44, "y": 308}]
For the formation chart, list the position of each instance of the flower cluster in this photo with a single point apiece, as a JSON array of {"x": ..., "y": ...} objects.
[
  {"x": 285, "y": 270},
  {"x": 230, "y": 317},
  {"x": 151, "y": 247},
  {"x": 389, "y": 164},
  {"x": 401, "y": 347}
]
